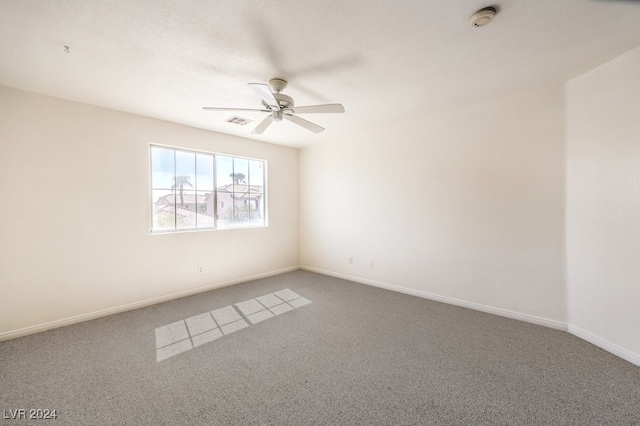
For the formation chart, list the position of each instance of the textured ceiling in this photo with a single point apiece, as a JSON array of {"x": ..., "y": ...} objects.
[{"x": 382, "y": 59}]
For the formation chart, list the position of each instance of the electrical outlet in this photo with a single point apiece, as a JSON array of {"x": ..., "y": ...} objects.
[
  {"x": 371, "y": 264},
  {"x": 350, "y": 260},
  {"x": 201, "y": 269}
]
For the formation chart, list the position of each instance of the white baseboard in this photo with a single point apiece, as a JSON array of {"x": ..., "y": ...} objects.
[
  {"x": 135, "y": 305},
  {"x": 576, "y": 331},
  {"x": 603, "y": 344},
  {"x": 450, "y": 300}
]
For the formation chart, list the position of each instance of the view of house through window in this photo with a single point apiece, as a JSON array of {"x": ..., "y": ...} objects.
[{"x": 199, "y": 190}]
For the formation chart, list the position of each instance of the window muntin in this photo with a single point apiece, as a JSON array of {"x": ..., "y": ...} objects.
[{"x": 192, "y": 190}]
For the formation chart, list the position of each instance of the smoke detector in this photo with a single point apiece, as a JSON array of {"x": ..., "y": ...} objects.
[{"x": 483, "y": 16}]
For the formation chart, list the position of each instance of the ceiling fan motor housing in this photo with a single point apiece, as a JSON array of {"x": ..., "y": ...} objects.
[{"x": 283, "y": 100}]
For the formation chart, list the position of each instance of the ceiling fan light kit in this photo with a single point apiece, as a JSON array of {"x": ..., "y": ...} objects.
[{"x": 280, "y": 106}]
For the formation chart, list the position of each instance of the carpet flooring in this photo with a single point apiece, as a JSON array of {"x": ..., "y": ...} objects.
[{"x": 348, "y": 354}]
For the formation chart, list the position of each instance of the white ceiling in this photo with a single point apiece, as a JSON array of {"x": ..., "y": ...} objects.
[{"x": 382, "y": 59}]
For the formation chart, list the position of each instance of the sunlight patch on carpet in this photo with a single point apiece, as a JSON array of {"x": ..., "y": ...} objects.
[{"x": 181, "y": 336}]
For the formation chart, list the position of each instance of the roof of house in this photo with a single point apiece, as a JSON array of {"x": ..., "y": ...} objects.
[
  {"x": 241, "y": 191},
  {"x": 189, "y": 198}
]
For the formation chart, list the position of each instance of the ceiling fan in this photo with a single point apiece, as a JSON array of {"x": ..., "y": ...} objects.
[{"x": 281, "y": 106}]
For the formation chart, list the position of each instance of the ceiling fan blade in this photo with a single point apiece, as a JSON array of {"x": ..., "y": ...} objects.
[
  {"x": 318, "y": 109},
  {"x": 260, "y": 128},
  {"x": 233, "y": 109},
  {"x": 266, "y": 94},
  {"x": 304, "y": 123}
]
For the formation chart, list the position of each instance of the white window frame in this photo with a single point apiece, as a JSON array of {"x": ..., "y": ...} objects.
[{"x": 215, "y": 227}]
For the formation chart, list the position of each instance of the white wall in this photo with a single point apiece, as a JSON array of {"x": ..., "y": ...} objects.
[
  {"x": 74, "y": 222},
  {"x": 603, "y": 205},
  {"x": 467, "y": 204}
]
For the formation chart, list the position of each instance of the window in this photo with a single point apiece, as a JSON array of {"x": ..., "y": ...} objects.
[{"x": 193, "y": 190}]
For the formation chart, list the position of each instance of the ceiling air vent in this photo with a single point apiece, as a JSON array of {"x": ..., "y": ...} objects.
[{"x": 240, "y": 121}]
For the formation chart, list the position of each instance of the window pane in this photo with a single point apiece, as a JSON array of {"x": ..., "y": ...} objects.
[
  {"x": 240, "y": 192},
  {"x": 163, "y": 204},
  {"x": 185, "y": 209},
  {"x": 204, "y": 172},
  {"x": 225, "y": 207},
  {"x": 204, "y": 208},
  {"x": 224, "y": 171},
  {"x": 240, "y": 209},
  {"x": 256, "y": 175},
  {"x": 185, "y": 170},
  {"x": 240, "y": 171},
  {"x": 256, "y": 210},
  {"x": 162, "y": 168}
]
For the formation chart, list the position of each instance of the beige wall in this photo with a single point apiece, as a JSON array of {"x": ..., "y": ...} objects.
[
  {"x": 466, "y": 206},
  {"x": 74, "y": 222},
  {"x": 603, "y": 205}
]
